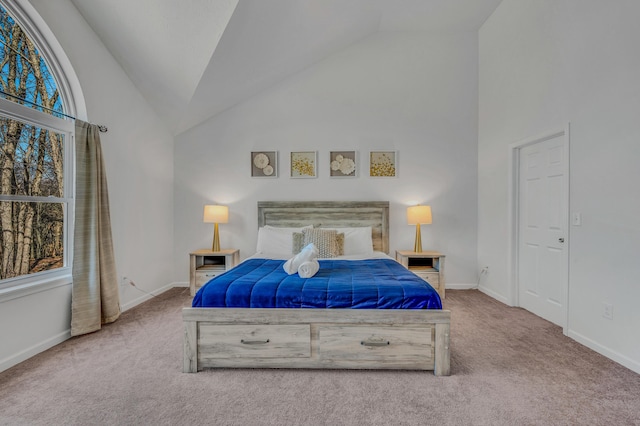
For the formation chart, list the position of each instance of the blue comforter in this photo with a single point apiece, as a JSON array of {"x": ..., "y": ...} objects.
[{"x": 357, "y": 284}]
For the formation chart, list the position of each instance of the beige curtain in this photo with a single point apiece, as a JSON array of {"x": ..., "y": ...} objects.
[{"x": 95, "y": 298}]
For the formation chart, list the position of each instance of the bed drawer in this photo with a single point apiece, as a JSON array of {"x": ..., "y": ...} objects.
[
  {"x": 256, "y": 341},
  {"x": 406, "y": 344}
]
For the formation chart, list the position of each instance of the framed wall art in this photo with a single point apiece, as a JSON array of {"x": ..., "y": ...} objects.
[
  {"x": 343, "y": 164},
  {"x": 383, "y": 164},
  {"x": 304, "y": 164},
  {"x": 264, "y": 164}
]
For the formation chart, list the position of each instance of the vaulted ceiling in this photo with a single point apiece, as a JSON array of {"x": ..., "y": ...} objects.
[{"x": 192, "y": 59}]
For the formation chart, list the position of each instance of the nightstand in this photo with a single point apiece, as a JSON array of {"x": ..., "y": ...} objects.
[
  {"x": 206, "y": 264},
  {"x": 428, "y": 265}
]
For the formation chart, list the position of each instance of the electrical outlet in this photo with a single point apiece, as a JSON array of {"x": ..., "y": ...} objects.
[
  {"x": 124, "y": 281},
  {"x": 576, "y": 219},
  {"x": 607, "y": 310}
]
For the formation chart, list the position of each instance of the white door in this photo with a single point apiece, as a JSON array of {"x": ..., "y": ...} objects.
[{"x": 542, "y": 228}]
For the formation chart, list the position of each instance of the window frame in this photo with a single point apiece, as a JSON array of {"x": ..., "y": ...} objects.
[
  {"x": 59, "y": 67},
  {"x": 34, "y": 117}
]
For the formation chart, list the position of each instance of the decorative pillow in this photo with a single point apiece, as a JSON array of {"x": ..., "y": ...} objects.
[
  {"x": 298, "y": 243},
  {"x": 340, "y": 244},
  {"x": 357, "y": 241},
  {"x": 324, "y": 240},
  {"x": 272, "y": 240}
]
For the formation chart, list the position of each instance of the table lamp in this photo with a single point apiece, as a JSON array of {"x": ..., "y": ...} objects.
[
  {"x": 216, "y": 215},
  {"x": 418, "y": 215}
]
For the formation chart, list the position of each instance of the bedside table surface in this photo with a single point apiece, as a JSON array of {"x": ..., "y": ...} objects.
[
  {"x": 411, "y": 253},
  {"x": 208, "y": 252}
]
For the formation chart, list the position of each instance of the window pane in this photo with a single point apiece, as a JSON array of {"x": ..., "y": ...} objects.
[
  {"x": 32, "y": 237},
  {"x": 31, "y": 160},
  {"x": 33, "y": 202},
  {"x": 24, "y": 76}
]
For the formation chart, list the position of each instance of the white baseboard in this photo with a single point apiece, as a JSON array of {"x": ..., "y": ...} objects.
[
  {"x": 495, "y": 295},
  {"x": 459, "y": 286},
  {"x": 15, "y": 359},
  {"x": 602, "y": 350},
  {"x": 148, "y": 295},
  {"x": 483, "y": 289}
]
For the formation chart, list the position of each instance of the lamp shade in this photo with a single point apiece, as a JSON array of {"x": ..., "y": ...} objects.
[
  {"x": 417, "y": 215},
  {"x": 216, "y": 214}
]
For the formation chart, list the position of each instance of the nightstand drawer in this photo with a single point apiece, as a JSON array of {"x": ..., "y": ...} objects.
[
  {"x": 204, "y": 275},
  {"x": 432, "y": 278},
  {"x": 428, "y": 265},
  {"x": 205, "y": 265}
]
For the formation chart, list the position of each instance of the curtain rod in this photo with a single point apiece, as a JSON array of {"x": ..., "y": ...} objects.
[{"x": 102, "y": 128}]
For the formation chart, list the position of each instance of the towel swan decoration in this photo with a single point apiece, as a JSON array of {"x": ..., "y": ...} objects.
[{"x": 304, "y": 263}]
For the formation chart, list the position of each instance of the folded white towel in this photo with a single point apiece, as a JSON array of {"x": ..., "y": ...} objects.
[
  {"x": 309, "y": 252},
  {"x": 308, "y": 268}
]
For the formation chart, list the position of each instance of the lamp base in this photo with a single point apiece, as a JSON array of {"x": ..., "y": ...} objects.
[
  {"x": 418, "y": 245},
  {"x": 216, "y": 239}
]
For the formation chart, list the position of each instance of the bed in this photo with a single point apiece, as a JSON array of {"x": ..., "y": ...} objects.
[{"x": 236, "y": 335}]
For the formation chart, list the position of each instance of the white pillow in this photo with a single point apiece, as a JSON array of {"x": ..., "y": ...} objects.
[
  {"x": 273, "y": 240},
  {"x": 357, "y": 241}
]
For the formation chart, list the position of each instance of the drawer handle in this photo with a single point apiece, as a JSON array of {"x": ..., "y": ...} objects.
[
  {"x": 254, "y": 342},
  {"x": 375, "y": 343}
]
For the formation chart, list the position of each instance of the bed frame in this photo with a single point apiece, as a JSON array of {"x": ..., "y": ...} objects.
[{"x": 319, "y": 338}]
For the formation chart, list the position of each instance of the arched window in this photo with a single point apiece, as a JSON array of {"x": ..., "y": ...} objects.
[{"x": 36, "y": 166}]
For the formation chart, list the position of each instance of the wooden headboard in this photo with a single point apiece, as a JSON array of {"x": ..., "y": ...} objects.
[{"x": 330, "y": 214}]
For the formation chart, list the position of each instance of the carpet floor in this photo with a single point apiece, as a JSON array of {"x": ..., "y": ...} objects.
[{"x": 508, "y": 367}]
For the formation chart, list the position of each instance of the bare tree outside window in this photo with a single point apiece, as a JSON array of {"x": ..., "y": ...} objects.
[{"x": 32, "y": 204}]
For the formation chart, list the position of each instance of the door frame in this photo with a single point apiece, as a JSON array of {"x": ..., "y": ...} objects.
[{"x": 513, "y": 218}]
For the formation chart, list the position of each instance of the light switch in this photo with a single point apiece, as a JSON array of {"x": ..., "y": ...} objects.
[{"x": 576, "y": 219}]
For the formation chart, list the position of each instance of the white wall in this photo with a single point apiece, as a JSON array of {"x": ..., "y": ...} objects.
[
  {"x": 410, "y": 92},
  {"x": 138, "y": 155},
  {"x": 545, "y": 63}
]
